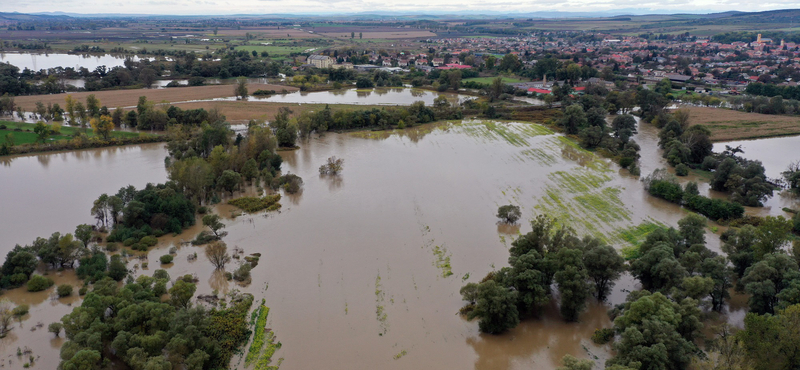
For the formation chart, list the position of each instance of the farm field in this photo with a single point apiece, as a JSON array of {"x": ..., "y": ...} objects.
[
  {"x": 128, "y": 98},
  {"x": 488, "y": 80},
  {"x": 726, "y": 124}
]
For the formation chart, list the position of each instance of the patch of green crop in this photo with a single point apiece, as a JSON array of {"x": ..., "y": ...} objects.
[
  {"x": 442, "y": 260},
  {"x": 401, "y": 354},
  {"x": 380, "y": 313},
  {"x": 263, "y": 346},
  {"x": 514, "y": 133},
  {"x": 635, "y": 235},
  {"x": 540, "y": 156},
  {"x": 255, "y": 204}
]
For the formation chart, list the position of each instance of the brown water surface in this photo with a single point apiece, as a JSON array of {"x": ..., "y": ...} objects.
[{"x": 362, "y": 270}]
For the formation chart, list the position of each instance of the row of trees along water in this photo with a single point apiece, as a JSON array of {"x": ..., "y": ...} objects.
[{"x": 684, "y": 285}]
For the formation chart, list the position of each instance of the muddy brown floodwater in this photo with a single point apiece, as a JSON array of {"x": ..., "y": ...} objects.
[{"x": 362, "y": 270}]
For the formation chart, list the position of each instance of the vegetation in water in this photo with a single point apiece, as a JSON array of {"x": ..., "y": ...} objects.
[
  {"x": 255, "y": 204},
  {"x": 442, "y": 260}
]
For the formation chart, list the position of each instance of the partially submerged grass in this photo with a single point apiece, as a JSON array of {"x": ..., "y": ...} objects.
[
  {"x": 442, "y": 260},
  {"x": 514, "y": 133},
  {"x": 255, "y": 204},
  {"x": 380, "y": 310},
  {"x": 635, "y": 236},
  {"x": 263, "y": 346}
]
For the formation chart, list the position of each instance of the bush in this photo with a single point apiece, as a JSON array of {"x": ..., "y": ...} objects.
[
  {"x": 149, "y": 240},
  {"x": 161, "y": 274},
  {"x": 624, "y": 162},
  {"x": 603, "y": 336},
  {"x": 667, "y": 190},
  {"x": 165, "y": 259},
  {"x": 20, "y": 310},
  {"x": 243, "y": 272},
  {"x": 681, "y": 170},
  {"x": 38, "y": 283},
  {"x": 83, "y": 290},
  {"x": 112, "y": 247},
  {"x": 64, "y": 290},
  {"x": 255, "y": 204},
  {"x": 129, "y": 242},
  {"x": 204, "y": 237}
]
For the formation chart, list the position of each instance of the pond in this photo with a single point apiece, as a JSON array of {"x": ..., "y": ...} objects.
[
  {"x": 362, "y": 270},
  {"x": 376, "y": 96},
  {"x": 36, "y": 62}
]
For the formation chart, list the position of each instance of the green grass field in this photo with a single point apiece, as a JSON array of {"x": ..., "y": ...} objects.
[
  {"x": 488, "y": 80},
  {"x": 27, "y": 136}
]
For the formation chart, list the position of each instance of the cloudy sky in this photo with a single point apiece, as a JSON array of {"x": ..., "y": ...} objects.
[{"x": 219, "y": 7}]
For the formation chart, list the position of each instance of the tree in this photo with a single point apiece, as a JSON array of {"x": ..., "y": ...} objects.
[
  {"x": 117, "y": 269},
  {"x": 42, "y": 132},
  {"x": 603, "y": 265},
  {"x": 573, "y": 120},
  {"x": 229, "y": 180},
  {"x": 102, "y": 126},
  {"x": 93, "y": 106},
  {"x": 509, "y": 213},
  {"x": 70, "y": 108},
  {"x": 333, "y": 166},
  {"x": 495, "y": 308},
  {"x": 240, "y": 91},
  {"x": 217, "y": 253},
  {"x": 180, "y": 295},
  {"x": 649, "y": 333},
  {"x": 765, "y": 280},
  {"x": 657, "y": 268},
  {"x": 623, "y": 122},
  {"x": 571, "y": 279},
  {"x": 285, "y": 129},
  {"x": 773, "y": 235},
  {"x": 147, "y": 77},
  {"x": 772, "y": 342},
  {"x": 6, "y": 317},
  {"x": 84, "y": 233},
  {"x": 55, "y": 328},
  {"x": 213, "y": 222}
]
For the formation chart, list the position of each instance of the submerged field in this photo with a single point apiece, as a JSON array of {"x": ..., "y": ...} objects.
[
  {"x": 363, "y": 268},
  {"x": 27, "y": 136}
]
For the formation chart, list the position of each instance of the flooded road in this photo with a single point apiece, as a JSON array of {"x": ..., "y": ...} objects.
[{"x": 363, "y": 269}]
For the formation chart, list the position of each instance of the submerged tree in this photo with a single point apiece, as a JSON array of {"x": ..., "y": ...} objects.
[
  {"x": 217, "y": 254},
  {"x": 333, "y": 166},
  {"x": 509, "y": 213}
]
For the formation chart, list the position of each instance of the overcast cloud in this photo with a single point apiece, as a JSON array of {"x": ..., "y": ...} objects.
[{"x": 223, "y": 7}]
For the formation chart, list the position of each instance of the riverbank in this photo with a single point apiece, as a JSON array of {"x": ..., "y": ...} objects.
[
  {"x": 88, "y": 143},
  {"x": 129, "y": 98},
  {"x": 729, "y": 125}
]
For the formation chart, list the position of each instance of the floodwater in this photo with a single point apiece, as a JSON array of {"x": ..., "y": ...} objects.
[
  {"x": 376, "y": 96},
  {"x": 36, "y": 62},
  {"x": 774, "y": 153},
  {"x": 49, "y": 192},
  {"x": 362, "y": 270}
]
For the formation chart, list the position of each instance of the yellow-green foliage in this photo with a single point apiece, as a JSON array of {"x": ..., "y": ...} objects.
[
  {"x": 255, "y": 204},
  {"x": 264, "y": 346},
  {"x": 380, "y": 313},
  {"x": 442, "y": 260},
  {"x": 514, "y": 133},
  {"x": 635, "y": 236},
  {"x": 401, "y": 354}
]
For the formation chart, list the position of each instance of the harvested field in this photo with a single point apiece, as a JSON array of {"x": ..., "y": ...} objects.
[
  {"x": 129, "y": 98},
  {"x": 394, "y": 34},
  {"x": 727, "y": 125},
  {"x": 269, "y": 32}
]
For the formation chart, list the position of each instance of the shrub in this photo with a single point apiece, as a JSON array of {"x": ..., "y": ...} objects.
[
  {"x": 64, "y": 290},
  {"x": 112, "y": 247},
  {"x": 83, "y": 290},
  {"x": 204, "y": 237},
  {"x": 255, "y": 204},
  {"x": 603, "y": 336},
  {"x": 20, "y": 310},
  {"x": 38, "y": 283},
  {"x": 149, "y": 240},
  {"x": 243, "y": 272},
  {"x": 165, "y": 259},
  {"x": 667, "y": 190},
  {"x": 682, "y": 170},
  {"x": 129, "y": 242},
  {"x": 161, "y": 274},
  {"x": 624, "y": 162}
]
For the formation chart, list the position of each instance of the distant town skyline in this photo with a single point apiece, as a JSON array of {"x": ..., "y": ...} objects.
[{"x": 224, "y": 7}]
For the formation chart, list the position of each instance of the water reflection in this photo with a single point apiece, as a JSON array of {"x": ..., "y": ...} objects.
[
  {"x": 508, "y": 229},
  {"x": 335, "y": 182},
  {"x": 537, "y": 343}
]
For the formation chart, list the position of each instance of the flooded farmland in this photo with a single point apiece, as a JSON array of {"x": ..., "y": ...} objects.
[
  {"x": 362, "y": 270},
  {"x": 376, "y": 96}
]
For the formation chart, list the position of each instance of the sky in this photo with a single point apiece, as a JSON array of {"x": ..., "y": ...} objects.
[{"x": 225, "y": 7}]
